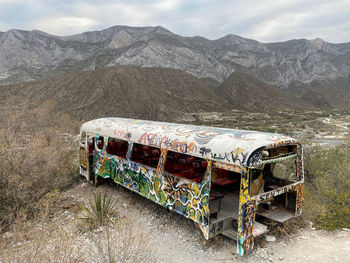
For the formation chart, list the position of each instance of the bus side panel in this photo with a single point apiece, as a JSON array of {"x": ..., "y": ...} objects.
[{"x": 187, "y": 198}]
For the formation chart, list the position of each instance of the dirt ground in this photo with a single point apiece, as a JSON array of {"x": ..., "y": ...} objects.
[{"x": 168, "y": 237}]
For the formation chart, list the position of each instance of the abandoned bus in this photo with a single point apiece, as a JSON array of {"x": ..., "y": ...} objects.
[{"x": 222, "y": 179}]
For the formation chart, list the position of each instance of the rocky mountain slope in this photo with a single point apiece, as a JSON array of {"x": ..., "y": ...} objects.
[
  {"x": 129, "y": 91},
  {"x": 147, "y": 93},
  {"x": 248, "y": 93},
  {"x": 30, "y": 55}
]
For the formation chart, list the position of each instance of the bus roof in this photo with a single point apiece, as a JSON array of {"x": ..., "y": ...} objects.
[{"x": 230, "y": 146}]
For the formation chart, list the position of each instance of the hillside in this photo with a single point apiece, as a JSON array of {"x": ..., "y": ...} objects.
[
  {"x": 31, "y": 55},
  {"x": 129, "y": 91},
  {"x": 325, "y": 93},
  {"x": 162, "y": 94},
  {"x": 248, "y": 93}
]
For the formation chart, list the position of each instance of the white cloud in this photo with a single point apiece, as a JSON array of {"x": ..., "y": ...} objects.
[
  {"x": 62, "y": 25},
  {"x": 166, "y": 5},
  {"x": 4, "y": 2},
  {"x": 110, "y": 14},
  {"x": 275, "y": 28},
  {"x": 4, "y": 27},
  {"x": 322, "y": 19},
  {"x": 267, "y": 21}
]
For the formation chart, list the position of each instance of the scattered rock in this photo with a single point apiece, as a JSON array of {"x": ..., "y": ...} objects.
[
  {"x": 281, "y": 258},
  {"x": 345, "y": 229},
  {"x": 270, "y": 238},
  {"x": 309, "y": 223},
  {"x": 8, "y": 235}
]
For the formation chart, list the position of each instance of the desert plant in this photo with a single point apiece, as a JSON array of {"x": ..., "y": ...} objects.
[
  {"x": 101, "y": 210},
  {"x": 50, "y": 241},
  {"x": 47, "y": 242},
  {"x": 122, "y": 244},
  {"x": 327, "y": 187}
]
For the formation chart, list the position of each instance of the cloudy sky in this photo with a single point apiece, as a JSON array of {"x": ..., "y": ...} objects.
[{"x": 263, "y": 20}]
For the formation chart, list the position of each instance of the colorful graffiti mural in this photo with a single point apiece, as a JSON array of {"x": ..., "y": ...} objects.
[
  {"x": 246, "y": 216},
  {"x": 187, "y": 198}
]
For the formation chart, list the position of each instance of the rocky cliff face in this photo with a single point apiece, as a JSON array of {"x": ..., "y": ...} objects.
[{"x": 29, "y": 55}]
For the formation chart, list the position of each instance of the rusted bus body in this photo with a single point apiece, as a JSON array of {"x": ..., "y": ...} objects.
[{"x": 222, "y": 179}]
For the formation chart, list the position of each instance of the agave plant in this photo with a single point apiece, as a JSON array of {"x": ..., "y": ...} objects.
[{"x": 102, "y": 209}]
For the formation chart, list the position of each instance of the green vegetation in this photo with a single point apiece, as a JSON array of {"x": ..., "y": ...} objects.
[
  {"x": 327, "y": 187},
  {"x": 102, "y": 209},
  {"x": 285, "y": 170}
]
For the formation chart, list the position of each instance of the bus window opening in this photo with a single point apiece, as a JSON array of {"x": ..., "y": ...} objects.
[
  {"x": 146, "y": 155},
  {"x": 117, "y": 147},
  {"x": 189, "y": 167}
]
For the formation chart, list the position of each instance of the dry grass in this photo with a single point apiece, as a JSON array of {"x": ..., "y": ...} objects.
[
  {"x": 38, "y": 155},
  {"x": 56, "y": 244},
  {"x": 55, "y": 235},
  {"x": 125, "y": 244},
  {"x": 41, "y": 238},
  {"x": 34, "y": 245}
]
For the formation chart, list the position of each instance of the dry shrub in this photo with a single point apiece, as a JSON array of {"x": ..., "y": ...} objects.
[
  {"x": 122, "y": 243},
  {"x": 58, "y": 238},
  {"x": 41, "y": 239},
  {"x": 327, "y": 187},
  {"x": 38, "y": 155},
  {"x": 113, "y": 239},
  {"x": 41, "y": 242}
]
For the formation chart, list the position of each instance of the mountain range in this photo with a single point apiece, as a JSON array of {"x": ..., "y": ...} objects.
[{"x": 32, "y": 55}]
